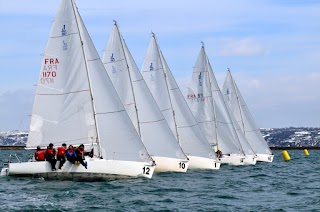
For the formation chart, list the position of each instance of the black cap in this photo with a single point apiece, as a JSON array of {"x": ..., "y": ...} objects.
[
  {"x": 64, "y": 144},
  {"x": 38, "y": 147},
  {"x": 51, "y": 145}
]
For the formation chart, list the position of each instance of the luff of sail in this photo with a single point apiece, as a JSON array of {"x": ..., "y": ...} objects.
[
  {"x": 141, "y": 107},
  {"x": 176, "y": 110},
  {"x": 70, "y": 108},
  {"x": 239, "y": 108},
  {"x": 206, "y": 102}
]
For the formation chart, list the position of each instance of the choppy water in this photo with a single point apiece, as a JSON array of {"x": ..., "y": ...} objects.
[{"x": 277, "y": 186}]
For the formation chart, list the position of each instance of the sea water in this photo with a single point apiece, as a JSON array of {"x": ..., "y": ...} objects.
[{"x": 277, "y": 186}]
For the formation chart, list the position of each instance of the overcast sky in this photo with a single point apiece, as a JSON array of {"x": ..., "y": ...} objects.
[{"x": 271, "y": 46}]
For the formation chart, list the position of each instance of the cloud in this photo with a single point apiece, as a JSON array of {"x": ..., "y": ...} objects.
[
  {"x": 16, "y": 106},
  {"x": 243, "y": 47}
]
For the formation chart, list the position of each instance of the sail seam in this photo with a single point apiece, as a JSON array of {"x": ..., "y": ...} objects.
[
  {"x": 118, "y": 111},
  {"x": 94, "y": 59},
  {"x": 114, "y": 61},
  {"x": 188, "y": 126},
  {"x": 60, "y": 94},
  {"x": 75, "y": 33},
  {"x": 147, "y": 122}
]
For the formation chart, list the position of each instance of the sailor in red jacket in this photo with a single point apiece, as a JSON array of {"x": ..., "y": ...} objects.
[
  {"x": 39, "y": 155},
  {"x": 80, "y": 155},
  {"x": 61, "y": 154},
  {"x": 51, "y": 156}
]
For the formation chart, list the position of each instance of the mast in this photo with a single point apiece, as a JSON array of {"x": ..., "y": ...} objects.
[
  {"x": 165, "y": 79},
  {"x": 131, "y": 86},
  {"x": 214, "y": 107},
  {"x": 234, "y": 85},
  {"x": 88, "y": 77}
]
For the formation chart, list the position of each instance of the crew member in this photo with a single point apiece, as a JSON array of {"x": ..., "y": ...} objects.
[
  {"x": 61, "y": 154},
  {"x": 80, "y": 155},
  {"x": 39, "y": 154},
  {"x": 51, "y": 156},
  {"x": 71, "y": 154},
  {"x": 219, "y": 153}
]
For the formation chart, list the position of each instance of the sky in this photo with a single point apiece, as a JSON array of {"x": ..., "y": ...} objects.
[{"x": 272, "y": 48}]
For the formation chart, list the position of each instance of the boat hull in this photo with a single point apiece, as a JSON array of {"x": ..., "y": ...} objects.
[
  {"x": 250, "y": 160},
  {"x": 164, "y": 164},
  {"x": 203, "y": 163},
  {"x": 234, "y": 160},
  {"x": 98, "y": 169},
  {"x": 265, "y": 158}
]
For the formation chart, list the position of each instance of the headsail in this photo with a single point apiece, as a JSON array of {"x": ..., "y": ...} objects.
[
  {"x": 175, "y": 108},
  {"x": 206, "y": 102},
  {"x": 243, "y": 116},
  {"x": 141, "y": 106}
]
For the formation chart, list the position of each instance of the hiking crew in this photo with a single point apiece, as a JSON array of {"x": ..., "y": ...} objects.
[
  {"x": 71, "y": 154},
  {"x": 80, "y": 155},
  {"x": 61, "y": 154},
  {"x": 51, "y": 156},
  {"x": 39, "y": 154}
]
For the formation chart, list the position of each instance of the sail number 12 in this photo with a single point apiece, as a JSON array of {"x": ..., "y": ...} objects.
[{"x": 146, "y": 170}]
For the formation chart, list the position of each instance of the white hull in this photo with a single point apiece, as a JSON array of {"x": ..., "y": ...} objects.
[
  {"x": 97, "y": 169},
  {"x": 170, "y": 164},
  {"x": 250, "y": 160},
  {"x": 265, "y": 158},
  {"x": 235, "y": 160},
  {"x": 203, "y": 163}
]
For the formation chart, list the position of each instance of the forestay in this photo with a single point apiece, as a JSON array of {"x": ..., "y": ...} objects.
[
  {"x": 243, "y": 116},
  {"x": 163, "y": 84},
  {"x": 141, "y": 106}
]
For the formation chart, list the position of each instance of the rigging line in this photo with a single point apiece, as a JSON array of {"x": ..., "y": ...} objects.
[
  {"x": 118, "y": 111},
  {"x": 61, "y": 94}
]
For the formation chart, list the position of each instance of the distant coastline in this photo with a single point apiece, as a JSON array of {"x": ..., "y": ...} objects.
[{"x": 272, "y": 148}]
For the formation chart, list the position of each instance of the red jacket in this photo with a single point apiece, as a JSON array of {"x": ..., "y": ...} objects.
[
  {"x": 39, "y": 155},
  {"x": 61, "y": 151}
]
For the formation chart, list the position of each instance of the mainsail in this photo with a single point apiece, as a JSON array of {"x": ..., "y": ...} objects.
[
  {"x": 168, "y": 96},
  {"x": 206, "y": 102},
  {"x": 243, "y": 116},
  {"x": 75, "y": 100},
  {"x": 138, "y": 100}
]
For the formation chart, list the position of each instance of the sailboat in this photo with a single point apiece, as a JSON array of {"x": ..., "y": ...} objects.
[
  {"x": 141, "y": 106},
  {"x": 245, "y": 120},
  {"x": 206, "y": 102},
  {"x": 76, "y": 103},
  {"x": 175, "y": 109}
]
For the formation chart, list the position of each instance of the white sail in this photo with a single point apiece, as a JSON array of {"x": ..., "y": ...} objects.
[
  {"x": 184, "y": 125},
  {"x": 63, "y": 110},
  {"x": 243, "y": 116},
  {"x": 141, "y": 106},
  {"x": 207, "y": 104},
  {"x": 78, "y": 104}
]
